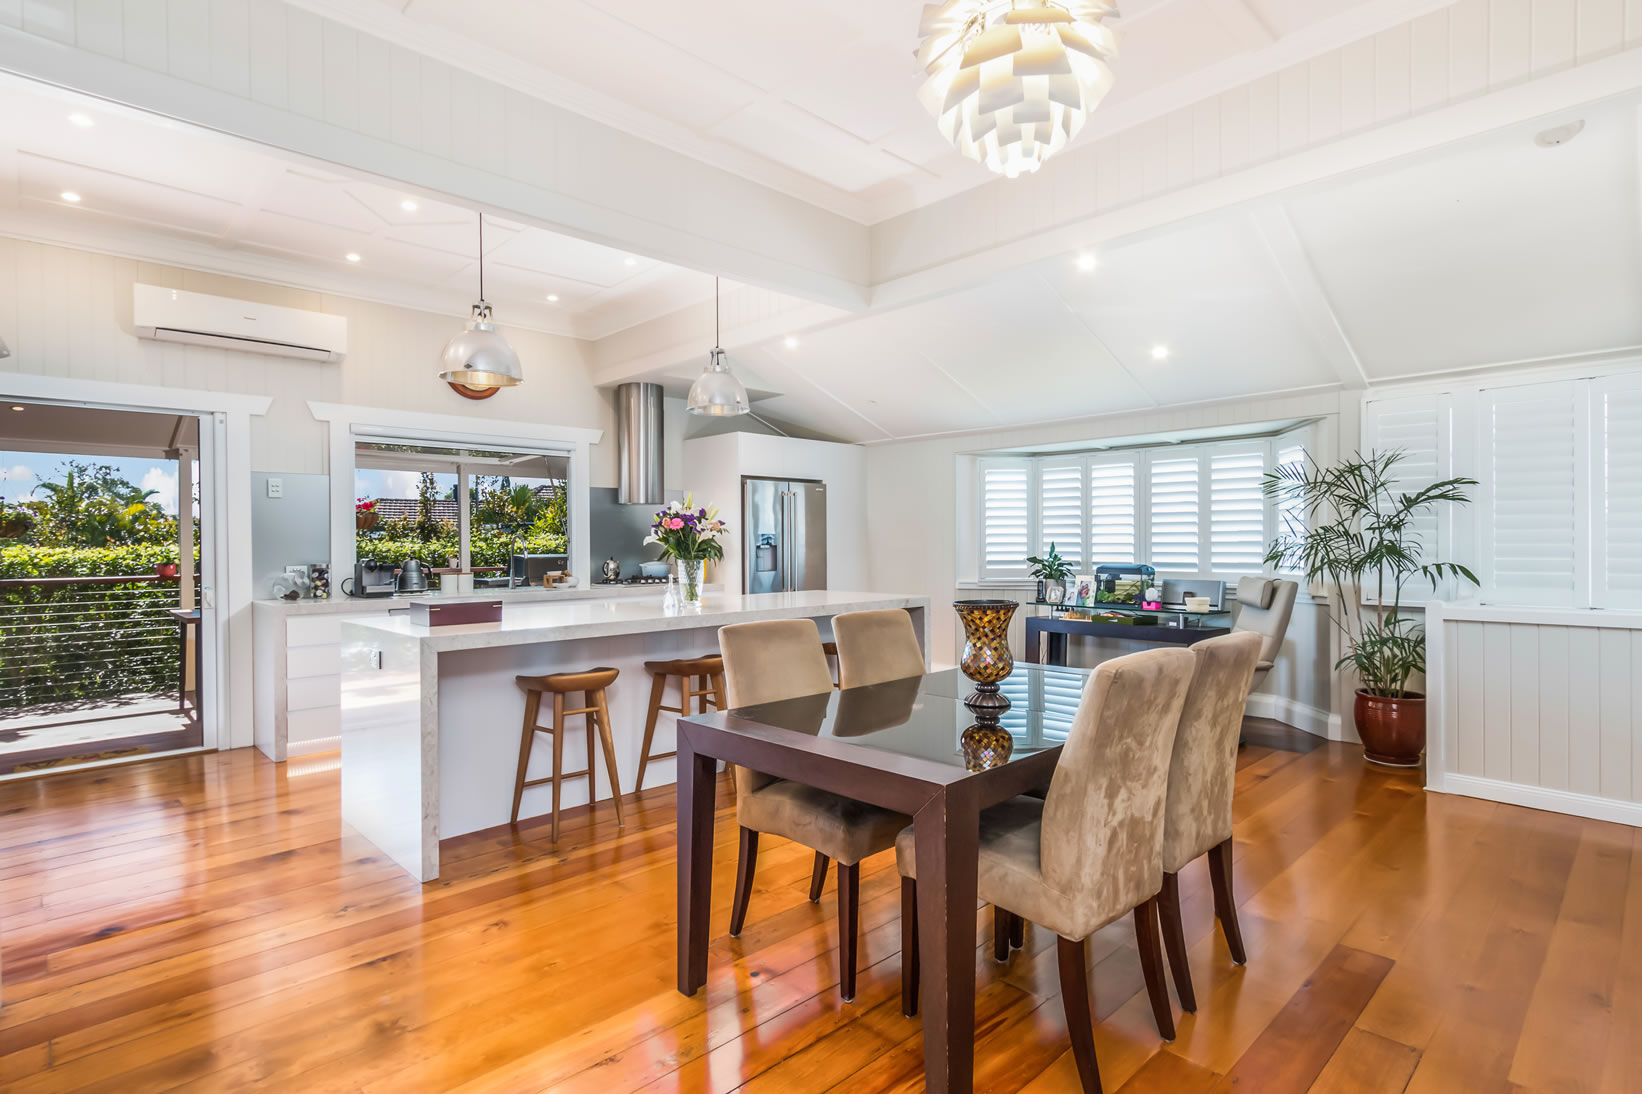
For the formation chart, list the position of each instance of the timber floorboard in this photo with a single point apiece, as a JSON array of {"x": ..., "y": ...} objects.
[{"x": 206, "y": 923}]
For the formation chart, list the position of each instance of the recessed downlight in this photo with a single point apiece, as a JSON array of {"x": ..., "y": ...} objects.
[
  {"x": 352, "y": 256},
  {"x": 1087, "y": 262},
  {"x": 408, "y": 205},
  {"x": 70, "y": 196},
  {"x": 552, "y": 298},
  {"x": 1160, "y": 352},
  {"x": 629, "y": 261},
  {"x": 1559, "y": 135},
  {"x": 17, "y": 408},
  {"x": 82, "y": 120},
  {"x": 791, "y": 341}
]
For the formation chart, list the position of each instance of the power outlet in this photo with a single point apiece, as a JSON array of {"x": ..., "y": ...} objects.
[{"x": 276, "y": 488}]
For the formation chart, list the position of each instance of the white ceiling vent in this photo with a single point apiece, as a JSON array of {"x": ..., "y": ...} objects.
[{"x": 172, "y": 315}]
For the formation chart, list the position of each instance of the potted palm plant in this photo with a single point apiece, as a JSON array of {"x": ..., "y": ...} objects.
[
  {"x": 1350, "y": 529},
  {"x": 1051, "y": 571}
]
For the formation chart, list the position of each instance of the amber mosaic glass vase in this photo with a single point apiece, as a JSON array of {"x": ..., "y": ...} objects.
[{"x": 986, "y": 658}]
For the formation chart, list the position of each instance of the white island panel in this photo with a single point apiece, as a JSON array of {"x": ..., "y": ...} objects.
[{"x": 430, "y": 740}]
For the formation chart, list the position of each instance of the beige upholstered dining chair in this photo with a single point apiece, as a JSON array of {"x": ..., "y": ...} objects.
[
  {"x": 874, "y": 647},
  {"x": 1264, "y": 607},
  {"x": 1197, "y": 817},
  {"x": 765, "y": 663},
  {"x": 1092, "y": 850}
]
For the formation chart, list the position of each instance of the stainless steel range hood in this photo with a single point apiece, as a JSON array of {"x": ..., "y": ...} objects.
[{"x": 639, "y": 444}]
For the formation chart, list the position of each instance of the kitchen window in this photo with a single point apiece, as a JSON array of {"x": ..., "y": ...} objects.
[
  {"x": 468, "y": 507},
  {"x": 1191, "y": 511}
]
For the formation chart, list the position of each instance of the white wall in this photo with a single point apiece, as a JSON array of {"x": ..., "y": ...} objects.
[
  {"x": 713, "y": 470},
  {"x": 68, "y": 313},
  {"x": 915, "y": 516}
]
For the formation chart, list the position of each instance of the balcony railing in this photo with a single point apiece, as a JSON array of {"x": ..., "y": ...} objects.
[{"x": 79, "y": 639}]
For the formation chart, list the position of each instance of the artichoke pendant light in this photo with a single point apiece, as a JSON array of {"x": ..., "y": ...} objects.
[
  {"x": 717, "y": 391},
  {"x": 479, "y": 359},
  {"x": 1010, "y": 82}
]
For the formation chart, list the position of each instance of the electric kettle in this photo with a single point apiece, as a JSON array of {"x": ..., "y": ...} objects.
[
  {"x": 413, "y": 577},
  {"x": 611, "y": 570}
]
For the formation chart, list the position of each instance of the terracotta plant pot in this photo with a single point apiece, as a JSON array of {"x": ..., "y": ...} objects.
[
  {"x": 165, "y": 569},
  {"x": 1392, "y": 729}
]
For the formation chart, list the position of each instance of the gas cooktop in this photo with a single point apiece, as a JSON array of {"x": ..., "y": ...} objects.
[{"x": 636, "y": 580}]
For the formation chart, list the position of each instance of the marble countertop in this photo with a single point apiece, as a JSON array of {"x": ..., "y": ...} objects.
[
  {"x": 366, "y": 605},
  {"x": 564, "y": 621}
]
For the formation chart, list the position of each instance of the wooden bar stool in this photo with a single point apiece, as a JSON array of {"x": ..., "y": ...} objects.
[
  {"x": 559, "y": 684},
  {"x": 699, "y": 678}
]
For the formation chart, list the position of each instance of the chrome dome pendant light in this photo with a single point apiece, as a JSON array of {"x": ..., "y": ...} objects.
[
  {"x": 479, "y": 359},
  {"x": 717, "y": 391}
]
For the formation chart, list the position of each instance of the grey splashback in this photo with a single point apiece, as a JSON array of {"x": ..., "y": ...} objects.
[
  {"x": 289, "y": 530},
  {"x": 617, "y": 531}
]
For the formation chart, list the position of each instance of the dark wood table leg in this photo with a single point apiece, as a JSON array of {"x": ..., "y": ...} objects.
[
  {"x": 947, "y": 829},
  {"x": 696, "y": 777},
  {"x": 1057, "y": 647},
  {"x": 1034, "y": 642}
]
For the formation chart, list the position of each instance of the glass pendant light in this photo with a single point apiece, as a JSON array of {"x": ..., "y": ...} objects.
[
  {"x": 480, "y": 357},
  {"x": 717, "y": 391}
]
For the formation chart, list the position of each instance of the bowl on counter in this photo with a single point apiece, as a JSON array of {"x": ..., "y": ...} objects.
[{"x": 655, "y": 569}]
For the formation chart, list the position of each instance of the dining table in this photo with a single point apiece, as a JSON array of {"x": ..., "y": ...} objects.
[{"x": 912, "y": 746}]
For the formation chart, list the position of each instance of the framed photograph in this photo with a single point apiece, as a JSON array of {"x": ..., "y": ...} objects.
[{"x": 1085, "y": 589}]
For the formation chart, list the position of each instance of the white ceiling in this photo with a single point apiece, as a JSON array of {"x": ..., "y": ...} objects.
[
  {"x": 1490, "y": 252},
  {"x": 167, "y": 192},
  {"x": 818, "y": 99}
]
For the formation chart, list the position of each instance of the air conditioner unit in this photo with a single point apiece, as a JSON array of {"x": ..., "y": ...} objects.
[{"x": 172, "y": 315}]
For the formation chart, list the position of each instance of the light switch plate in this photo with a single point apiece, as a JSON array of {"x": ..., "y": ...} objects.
[
  {"x": 376, "y": 659},
  {"x": 276, "y": 488}
]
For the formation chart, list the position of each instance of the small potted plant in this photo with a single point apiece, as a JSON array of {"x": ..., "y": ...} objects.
[
  {"x": 365, "y": 516},
  {"x": 1051, "y": 571},
  {"x": 691, "y": 536},
  {"x": 1349, "y": 528}
]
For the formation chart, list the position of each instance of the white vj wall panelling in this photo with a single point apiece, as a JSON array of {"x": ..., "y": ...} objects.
[
  {"x": 1455, "y": 53},
  {"x": 68, "y": 313},
  {"x": 1538, "y": 707}
]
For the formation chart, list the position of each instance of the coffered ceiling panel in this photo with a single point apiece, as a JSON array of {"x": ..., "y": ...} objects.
[
  {"x": 159, "y": 190},
  {"x": 1501, "y": 251},
  {"x": 743, "y": 83}
]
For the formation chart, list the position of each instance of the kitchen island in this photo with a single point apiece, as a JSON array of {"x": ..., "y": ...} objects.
[{"x": 431, "y": 717}]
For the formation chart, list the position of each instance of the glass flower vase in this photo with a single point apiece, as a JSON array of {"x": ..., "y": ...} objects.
[
  {"x": 986, "y": 658},
  {"x": 689, "y": 583}
]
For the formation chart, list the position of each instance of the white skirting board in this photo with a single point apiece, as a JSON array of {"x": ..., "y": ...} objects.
[
  {"x": 1279, "y": 708},
  {"x": 1538, "y": 797}
]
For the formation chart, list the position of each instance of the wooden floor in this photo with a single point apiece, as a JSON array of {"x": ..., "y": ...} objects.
[{"x": 200, "y": 924}]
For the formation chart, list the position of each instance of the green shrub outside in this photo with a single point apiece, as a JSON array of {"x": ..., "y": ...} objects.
[
  {"x": 68, "y": 643},
  {"x": 489, "y": 547}
]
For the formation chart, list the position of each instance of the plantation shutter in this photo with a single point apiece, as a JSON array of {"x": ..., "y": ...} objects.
[
  {"x": 1290, "y": 514},
  {"x": 1237, "y": 509},
  {"x": 1532, "y": 541},
  {"x": 1005, "y": 517},
  {"x": 1416, "y": 426},
  {"x": 1060, "y": 510},
  {"x": 1113, "y": 512},
  {"x": 1174, "y": 514},
  {"x": 1616, "y": 502}
]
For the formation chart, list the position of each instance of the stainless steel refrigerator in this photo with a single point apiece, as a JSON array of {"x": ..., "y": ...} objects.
[{"x": 785, "y": 549}]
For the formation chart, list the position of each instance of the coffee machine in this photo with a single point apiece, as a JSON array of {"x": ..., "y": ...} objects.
[{"x": 372, "y": 578}]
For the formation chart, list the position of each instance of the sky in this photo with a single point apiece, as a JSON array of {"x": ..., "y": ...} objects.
[{"x": 20, "y": 472}]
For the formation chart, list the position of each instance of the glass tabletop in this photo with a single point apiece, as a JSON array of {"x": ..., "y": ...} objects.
[{"x": 924, "y": 716}]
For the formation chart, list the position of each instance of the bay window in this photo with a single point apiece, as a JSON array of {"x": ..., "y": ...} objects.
[{"x": 1189, "y": 510}]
